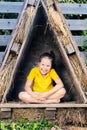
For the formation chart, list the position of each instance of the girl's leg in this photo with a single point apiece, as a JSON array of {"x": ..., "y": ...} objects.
[
  {"x": 26, "y": 98},
  {"x": 50, "y": 101},
  {"x": 54, "y": 98},
  {"x": 57, "y": 95}
]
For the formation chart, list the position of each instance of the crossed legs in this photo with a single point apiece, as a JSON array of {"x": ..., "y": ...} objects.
[{"x": 54, "y": 98}]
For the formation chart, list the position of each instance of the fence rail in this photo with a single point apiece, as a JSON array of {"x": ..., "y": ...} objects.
[
  {"x": 10, "y": 7},
  {"x": 15, "y": 7},
  {"x": 68, "y": 8}
]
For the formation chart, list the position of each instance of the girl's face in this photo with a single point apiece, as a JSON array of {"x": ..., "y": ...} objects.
[{"x": 45, "y": 65}]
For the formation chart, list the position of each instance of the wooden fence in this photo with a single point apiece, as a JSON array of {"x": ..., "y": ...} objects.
[{"x": 15, "y": 8}]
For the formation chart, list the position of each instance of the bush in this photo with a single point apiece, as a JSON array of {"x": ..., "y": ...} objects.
[{"x": 23, "y": 124}]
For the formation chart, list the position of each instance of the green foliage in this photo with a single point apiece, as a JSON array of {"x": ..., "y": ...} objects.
[
  {"x": 84, "y": 33},
  {"x": 84, "y": 47},
  {"x": 23, "y": 124}
]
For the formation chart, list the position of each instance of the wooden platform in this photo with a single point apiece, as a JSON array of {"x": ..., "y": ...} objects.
[{"x": 60, "y": 105}]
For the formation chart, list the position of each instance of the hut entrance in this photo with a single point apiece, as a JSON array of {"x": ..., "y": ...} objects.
[{"x": 42, "y": 39}]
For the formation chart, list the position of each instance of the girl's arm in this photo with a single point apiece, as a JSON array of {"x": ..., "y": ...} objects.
[
  {"x": 28, "y": 89},
  {"x": 28, "y": 86}
]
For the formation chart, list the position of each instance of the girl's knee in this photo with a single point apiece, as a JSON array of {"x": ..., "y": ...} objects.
[
  {"x": 20, "y": 95},
  {"x": 63, "y": 91},
  {"x": 23, "y": 95}
]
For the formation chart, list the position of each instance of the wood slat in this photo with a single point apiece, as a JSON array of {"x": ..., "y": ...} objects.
[
  {"x": 31, "y": 2},
  {"x": 4, "y": 39},
  {"x": 73, "y": 24},
  {"x": 10, "y": 7},
  {"x": 60, "y": 105},
  {"x": 68, "y": 8},
  {"x": 80, "y": 40},
  {"x": 77, "y": 24},
  {"x": 83, "y": 55},
  {"x": 8, "y": 23},
  {"x": 1, "y": 56},
  {"x": 15, "y": 7}
]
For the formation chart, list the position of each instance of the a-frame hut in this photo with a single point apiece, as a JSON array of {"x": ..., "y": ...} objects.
[{"x": 42, "y": 28}]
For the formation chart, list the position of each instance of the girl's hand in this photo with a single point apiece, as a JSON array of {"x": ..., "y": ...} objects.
[{"x": 40, "y": 97}]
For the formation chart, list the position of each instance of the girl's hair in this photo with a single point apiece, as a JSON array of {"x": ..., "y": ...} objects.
[{"x": 50, "y": 55}]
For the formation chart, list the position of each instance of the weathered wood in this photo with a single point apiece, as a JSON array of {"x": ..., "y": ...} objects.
[
  {"x": 83, "y": 54},
  {"x": 50, "y": 113},
  {"x": 4, "y": 39},
  {"x": 32, "y": 2},
  {"x": 1, "y": 56},
  {"x": 69, "y": 49},
  {"x": 73, "y": 24},
  {"x": 5, "y": 109},
  {"x": 8, "y": 23},
  {"x": 77, "y": 24},
  {"x": 59, "y": 105},
  {"x": 10, "y": 7},
  {"x": 5, "y": 113},
  {"x": 16, "y": 48},
  {"x": 70, "y": 8},
  {"x": 80, "y": 40}
]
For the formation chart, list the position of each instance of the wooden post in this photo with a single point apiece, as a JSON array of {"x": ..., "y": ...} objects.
[
  {"x": 5, "y": 113},
  {"x": 50, "y": 113}
]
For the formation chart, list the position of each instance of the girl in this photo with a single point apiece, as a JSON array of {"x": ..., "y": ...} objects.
[{"x": 39, "y": 85}]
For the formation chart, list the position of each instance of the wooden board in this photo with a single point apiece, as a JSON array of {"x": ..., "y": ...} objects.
[
  {"x": 60, "y": 105},
  {"x": 77, "y": 24},
  {"x": 70, "y": 8},
  {"x": 4, "y": 39},
  {"x": 10, "y": 7}
]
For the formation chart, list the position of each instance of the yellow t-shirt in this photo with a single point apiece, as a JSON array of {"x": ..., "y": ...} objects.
[{"x": 40, "y": 83}]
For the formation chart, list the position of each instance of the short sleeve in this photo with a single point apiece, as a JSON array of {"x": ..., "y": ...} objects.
[
  {"x": 31, "y": 75},
  {"x": 54, "y": 74}
]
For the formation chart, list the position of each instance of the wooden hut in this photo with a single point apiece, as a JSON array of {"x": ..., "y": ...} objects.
[{"x": 43, "y": 28}]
